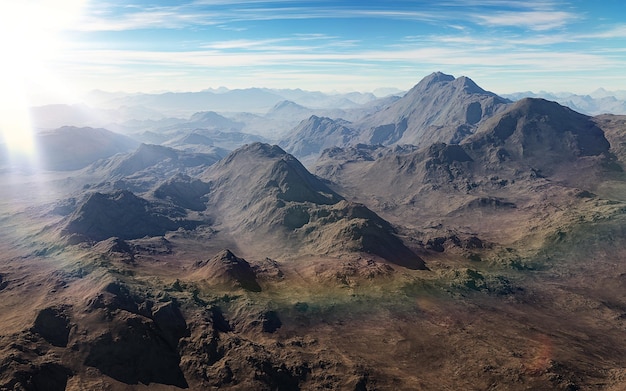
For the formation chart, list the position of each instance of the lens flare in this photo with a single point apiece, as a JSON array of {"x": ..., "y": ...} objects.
[{"x": 30, "y": 38}]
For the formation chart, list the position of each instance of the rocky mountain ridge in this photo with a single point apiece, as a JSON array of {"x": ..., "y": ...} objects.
[{"x": 440, "y": 108}]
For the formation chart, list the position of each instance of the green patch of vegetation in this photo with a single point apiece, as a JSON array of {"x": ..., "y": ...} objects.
[{"x": 509, "y": 258}]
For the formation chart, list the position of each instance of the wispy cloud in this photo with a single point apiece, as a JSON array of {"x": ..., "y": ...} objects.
[
  {"x": 354, "y": 41},
  {"x": 534, "y": 20},
  {"x": 112, "y": 17},
  {"x": 615, "y": 32},
  {"x": 434, "y": 55},
  {"x": 536, "y": 15}
]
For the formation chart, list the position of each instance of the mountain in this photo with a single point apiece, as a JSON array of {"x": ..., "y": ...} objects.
[
  {"x": 161, "y": 268},
  {"x": 186, "y": 103},
  {"x": 149, "y": 167},
  {"x": 540, "y": 132},
  {"x": 439, "y": 108},
  {"x": 184, "y": 191},
  {"x": 119, "y": 214},
  {"x": 288, "y": 109},
  {"x": 207, "y": 140},
  {"x": 226, "y": 269},
  {"x": 71, "y": 148},
  {"x": 154, "y": 158},
  {"x": 314, "y": 135},
  {"x": 212, "y": 120},
  {"x": 256, "y": 172},
  {"x": 288, "y": 114},
  {"x": 533, "y": 151},
  {"x": 262, "y": 193},
  {"x": 258, "y": 197},
  {"x": 254, "y": 100},
  {"x": 529, "y": 133}
]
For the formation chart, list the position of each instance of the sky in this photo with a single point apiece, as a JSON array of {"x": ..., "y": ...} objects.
[{"x": 61, "y": 49}]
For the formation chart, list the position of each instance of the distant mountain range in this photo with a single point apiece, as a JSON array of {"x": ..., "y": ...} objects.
[
  {"x": 598, "y": 102},
  {"x": 440, "y": 108}
]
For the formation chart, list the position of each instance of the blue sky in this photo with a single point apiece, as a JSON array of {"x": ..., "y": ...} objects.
[{"x": 157, "y": 45}]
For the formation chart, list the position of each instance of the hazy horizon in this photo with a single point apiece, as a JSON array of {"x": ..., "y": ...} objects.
[
  {"x": 379, "y": 92},
  {"x": 57, "y": 52}
]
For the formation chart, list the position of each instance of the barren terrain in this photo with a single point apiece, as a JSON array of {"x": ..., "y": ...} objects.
[{"x": 493, "y": 264}]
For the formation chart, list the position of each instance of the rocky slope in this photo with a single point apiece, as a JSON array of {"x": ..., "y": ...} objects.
[
  {"x": 314, "y": 135},
  {"x": 145, "y": 168},
  {"x": 534, "y": 151},
  {"x": 439, "y": 108},
  {"x": 119, "y": 214},
  {"x": 260, "y": 191}
]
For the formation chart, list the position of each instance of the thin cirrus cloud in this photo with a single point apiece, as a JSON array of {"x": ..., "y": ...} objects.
[
  {"x": 218, "y": 42},
  {"x": 534, "y": 20},
  {"x": 435, "y": 55},
  {"x": 539, "y": 15}
]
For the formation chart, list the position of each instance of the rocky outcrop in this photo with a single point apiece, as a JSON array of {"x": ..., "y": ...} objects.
[
  {"x": 53, "y": 325},
  {"x": 227, "y": 270},
  {"x": 135, "y": 351}
]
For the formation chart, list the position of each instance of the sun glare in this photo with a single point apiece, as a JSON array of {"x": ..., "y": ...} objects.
[{"x": 30, "y": 36}]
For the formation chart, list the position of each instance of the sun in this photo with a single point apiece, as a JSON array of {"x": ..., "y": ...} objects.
[{"x": 30, "y": 38}]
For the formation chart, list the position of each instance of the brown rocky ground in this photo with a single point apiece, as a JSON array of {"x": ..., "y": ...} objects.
[
  {"x": 524, "y": 284},
  {"x": 140, "y": 317}
]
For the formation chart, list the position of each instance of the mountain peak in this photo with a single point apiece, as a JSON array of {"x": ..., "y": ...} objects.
[
  {"x": 225, "y": 254},
  {"x": 257, "y": 149},
  {"x": 436, "y": 77},
  {"x": 286, "y": 104},
  {"x": 440, "y": 80},
  {"x": 539, "y": 105},
  {"x": 439, "y": 108},
  {"x": 225, "y": 268},
  {"x": 260, "y": 171},
  {"x": 469, "y": 85},
  {"x": 205, "y": 116}
]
